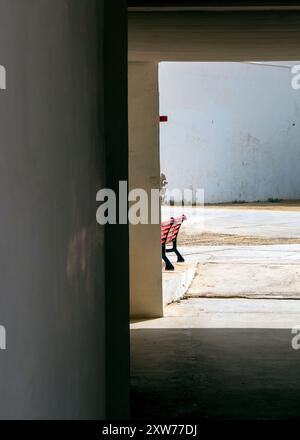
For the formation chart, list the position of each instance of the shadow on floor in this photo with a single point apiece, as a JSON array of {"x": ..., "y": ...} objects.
[{"x": 214, "y": 373}]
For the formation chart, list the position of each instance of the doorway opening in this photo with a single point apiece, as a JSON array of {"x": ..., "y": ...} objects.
[
  {"x": 233, "y": 133},
  {"x": 230, "y": 129}
]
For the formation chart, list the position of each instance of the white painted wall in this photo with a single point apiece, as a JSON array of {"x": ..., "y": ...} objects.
[
  {"x": 52, "y": 253},
  {"x": 233, "y": 129}
]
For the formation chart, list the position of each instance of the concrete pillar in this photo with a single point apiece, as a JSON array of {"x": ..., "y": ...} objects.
[{"x": 144, "y": 172}]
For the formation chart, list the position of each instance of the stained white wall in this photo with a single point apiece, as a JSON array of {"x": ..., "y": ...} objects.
[{"x": 233, "y": 129}]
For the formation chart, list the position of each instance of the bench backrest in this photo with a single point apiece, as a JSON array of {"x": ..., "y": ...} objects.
[
  {"x": 170, "y": 229},
  {"x": 165, "y": 228}
]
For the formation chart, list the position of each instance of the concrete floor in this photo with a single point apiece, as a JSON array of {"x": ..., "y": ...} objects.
[
  {"x": 226, "y": 314},
  {"x": 213, "y": 357},
  {"x": 245, "y": 271},
  {"x": 214, "y": 373},
  {"x": 217, "y": 359},
  {"x": 247, "y": 280}
]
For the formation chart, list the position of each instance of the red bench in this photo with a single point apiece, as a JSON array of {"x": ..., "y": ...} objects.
[{"x": 169, "y": 233}]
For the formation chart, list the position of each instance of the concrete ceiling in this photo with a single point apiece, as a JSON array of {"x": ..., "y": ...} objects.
[
  {"x": 214, "y": 36},
  {"x": 181, "y": 5}
]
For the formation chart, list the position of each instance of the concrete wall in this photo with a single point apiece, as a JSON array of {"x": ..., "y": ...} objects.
[
  {"x": 233, "y": 130},
  {"x": 51, "y": 250},
  {"x": 144, "y": 172}
]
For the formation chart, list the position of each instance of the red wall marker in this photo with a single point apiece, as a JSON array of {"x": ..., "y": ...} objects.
[{"x": 163, "y": 119}]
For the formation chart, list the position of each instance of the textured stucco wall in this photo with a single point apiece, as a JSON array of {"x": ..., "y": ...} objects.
[
  {"x": 233, "y": 130},
  {"x": 51, "y": 249}
]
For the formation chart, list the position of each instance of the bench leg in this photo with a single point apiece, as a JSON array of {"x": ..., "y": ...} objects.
[
  {"x": 169, "y": 265},
  {"x": 180, "y": 258}
]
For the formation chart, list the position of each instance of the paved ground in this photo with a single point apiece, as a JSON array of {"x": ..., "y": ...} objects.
[
  {"x": 283, "y": 205},
  {"x": 217, "y": 239},
  {"x": 245, "y": 271},
  {"x": 226, "y": 313},
  {"x": 226, "y": 358},
  {"x": 246, "y": 280},
  {"x": 214, "y": 373},
  {"x": 238, "y": 221},
  {"x": 240, "y": 252}
]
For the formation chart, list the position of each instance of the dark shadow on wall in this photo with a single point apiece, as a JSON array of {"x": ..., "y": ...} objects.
[{"x": 116, "y": 236}]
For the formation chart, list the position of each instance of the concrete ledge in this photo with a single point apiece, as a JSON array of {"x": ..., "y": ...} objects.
[{"x": 177, "y": 282}]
